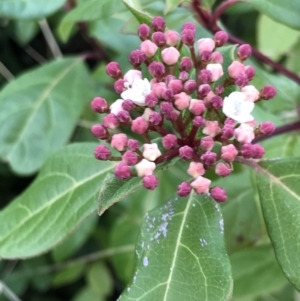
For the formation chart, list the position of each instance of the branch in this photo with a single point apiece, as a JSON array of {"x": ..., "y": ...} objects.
[
  {"x": 5, "y": 72},
  {"x": 8, "y": 293}
]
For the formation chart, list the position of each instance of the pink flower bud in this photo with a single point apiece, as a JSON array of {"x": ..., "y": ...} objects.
[
  {"x": 229, "y": 122},
  {"x": 132, "y": 75},
  {"x": 158, "y": 23},
  {"x": 205, "y": 44},
  {"x": 172, "y": 37},
  {"x": 102, "y": 152},
  {"x": 149, "y": 48},
  {"x": 207, "y": 99},
  {"x": 170, "y": 56},
  {"x": 205, "y": 76},
  {"x": 218, "y": 194},
  {"x": 216, "y": 71},
  {"x": 201, "y": 185},
  {"x": 158, "y": 88},
  {"x": 189, "y": 25},
  {"x": 169, "y": 141},
  {"x": 133, "y": 144},
  {"x": 173, "y": 115},
  {"x": 267, "y": 128},
  {"x": 182, "y": 101},
  {"x": 204, "y": 89},
  {"x": 100, "y": 131},
  {"x": 139, "y": 125},
  {"x": 137, "y": 57},
  {"x": 229, "y": 152},
  {"x": 223, "y": 169},
  {"x": 220, "y": 38},
  {"x": 247, "y": 150},
  {"x": 219, "y": 90},
  {"x": 145, "y": 168},
  {"x": 128, "y": 105},
  {"x": 99, "y": 105},
  {"x": 184, "y": 76},
  {"x": 147, "y": 113},
  {"x": 190, "y": 86},
  {"x": 176, "y": 86},
  {"x": 150, "y": 182},
  {"x": 144, "y": 32},
  {"x": 209, "y": 158},
  {"x": 184, "y": 189},
  {"x": 244, "y": 51},
  {"x": 113, "y": 69},
  {"x": 227, "y": 131},
  {"x": 124, "y": 117},
  {"x": 188, "y": 37},
  {"x": 241, "y": 80},
  {"x": 207, "y": 143},
  {"x": 217, "y": 102},
  {"x": 258, "y": 151},
  {"x": 250, "y": 72},
  {"x": 205, "y": 56},
  {"x": 186, "y": 152},
  {"x": 217, "y": 57},
  {"x": 196, "y": 169},
  {"x": 169, "y": 78},
  {"x": 244, "y": 133},
  {"x": 252, "y": 94},
  {"x": 116, "y": 107},
  {"x": 167, "y": 94},
  {"x": 155, "y": 118},
  {"x": 198, "y": 121},
  {"x": 267, "y": 92},
  {"x": 122, "y": 171},
  {"x": 111, "y": 121},
  {"x": 151, "y": 100},
  {"x": 211, "y": 128},
  {"x": 129, "y": 158},
  {"x": 159, "y": 39},
  {"x": 119, "y": 142},
  {"x": 186, "y": 64},
  {"x": 119, "y": 86},
  {"x": 166, "y": 108},
  {"x": 236, "y": 68},
  {"x": 151, "y": 151},
  {"x": 157, "y": 69},
  {"x": 197, "y": 107}
]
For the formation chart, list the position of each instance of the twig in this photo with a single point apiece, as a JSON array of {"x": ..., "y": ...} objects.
[
  {"x": 221, "y": 8},
  {"x": 5, "y": 72},
  {"x": 50, "y": 38},
  {"x": 35, "y": 55},
  {"x": 8, "y": 293}
]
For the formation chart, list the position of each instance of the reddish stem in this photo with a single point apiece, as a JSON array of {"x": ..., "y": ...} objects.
[
  {"x": 221, "y": 8},
  {"x": 167, "y": 156}
]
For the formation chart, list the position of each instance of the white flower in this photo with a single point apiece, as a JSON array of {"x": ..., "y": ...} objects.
[
  {"x": 131, "y": 75},
  {"x": 138, "y": 91},
  {"x": 151, "y": 151},
  {"x": 237, "y": 107},
  {"x": 145, "y": 168},
  {"x": 216, "y": 71},
  {"x": 252, "y": 94},
  {"x": 116, "y": 107}
]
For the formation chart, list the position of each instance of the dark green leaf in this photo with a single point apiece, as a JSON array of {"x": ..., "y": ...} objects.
[
  {"x": 61, "y": 197},
  {"x": 38, "y": 112},
  {"x": 181, "y": 254}
]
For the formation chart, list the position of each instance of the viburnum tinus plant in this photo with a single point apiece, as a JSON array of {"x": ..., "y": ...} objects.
[{"x": 200, "y": 109}]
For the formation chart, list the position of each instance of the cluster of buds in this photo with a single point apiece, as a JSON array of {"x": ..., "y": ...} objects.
[{"x": 187, "y": 101}]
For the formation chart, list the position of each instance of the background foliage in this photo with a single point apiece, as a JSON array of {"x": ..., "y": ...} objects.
[{"x": 54, "y": 246}]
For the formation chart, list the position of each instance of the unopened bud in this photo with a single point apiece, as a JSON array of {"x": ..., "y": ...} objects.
[
  {"x": 267, "y": 92},
  {"x": 186, "y": 64},
  {"x": 169, "y": 141},
  {"x": 157, "y": 69},
  {"x": 130, "y": 158},
  {"x": 159, "y": 39},
  {"x": 102, "y": 152},
  {"x": 119, "y": 86},
  {"x": 144, "y": 32},
  {"x": 150, "y": 182},
  {"x": 186, "y": 152},
  {"x": 244, "y": 51},
  {"x": 209, "y": 158},
  {"x": 218, "y": 194},
  {"x": 223, "y": 169},
  {"x": 122, "y": 171},
  {"x": 188, "y": 37},
  {"x": 113, "y": 69},
  {"x": 99, "y": 105},
  {"x": 158, "y": 23},
  {"x": 172, "y": 37},
  {"x": 137, "y": 57},
  {"x": 220, "y": 38},
  {"x": 100, "y": 131},
  {"x": 184, "y": 189},
  {"x": 267, "y": 128},
  {"x": 170, "y": 56},
  {"x": 190, "y": 86}
]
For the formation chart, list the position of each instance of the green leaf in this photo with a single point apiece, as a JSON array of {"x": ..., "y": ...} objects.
[
  {"x": 28, "y": 9},
  {"x": 181, "y": 254},
  {"x": 141, "y": 15},
  {"x": 61, "y": 197},
  {"x": 38, "y": 112},
  {"x": 269, "y": 43},
  {"x": 255, "y": 272},
  {"x": 86, "y": 294},
  {"x": 208, "y": 4},
  {"x": 89, "y": 10},
  {"x": 24, "y": 31},
  {"x": 172, "y": 4},
  {"x": 279, "y": 191},
  {"x": 285, "y": 12},
  {"x": 68, "y": 275}
]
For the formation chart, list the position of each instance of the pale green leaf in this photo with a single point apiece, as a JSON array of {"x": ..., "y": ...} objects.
[
  {"x": 285, "y": 12},
  {"x": 29, "y": 9},
  {"x": 39, "y": 110},
  {"x": 255, "y": 272},
  {"x": 141, "y": 15},
  {"x": 279, "y": 190},
  {"x": 24, "y": 31},
  {"x": 68, "y": 275},
  {"x": 269, "y": 43},
  {"x": 181, "y": 254},
  {"x": 89, "y": 10},
  {"x": 61, "y": 197},
  {"x": 172, "y": 4}
]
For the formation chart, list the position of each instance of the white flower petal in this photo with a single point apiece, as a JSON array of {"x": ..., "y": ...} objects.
[{"x": 116, "y": 107}]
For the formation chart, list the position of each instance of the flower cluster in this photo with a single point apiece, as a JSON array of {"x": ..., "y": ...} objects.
[{"x": 201, "y": 112}]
